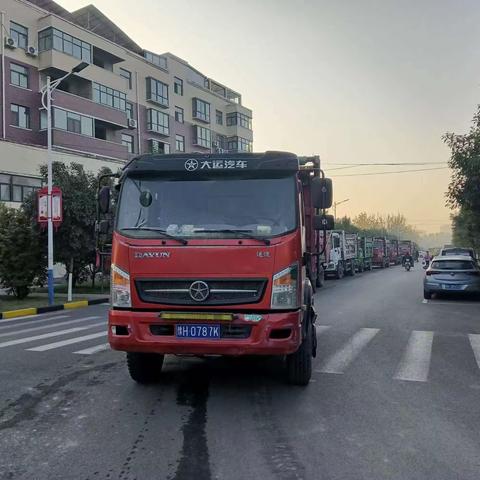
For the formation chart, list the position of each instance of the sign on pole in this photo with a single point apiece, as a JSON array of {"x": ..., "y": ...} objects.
[{"x": 57, "y": 206}]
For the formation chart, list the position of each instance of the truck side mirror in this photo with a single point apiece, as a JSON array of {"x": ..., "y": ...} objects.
[
  {"x": 323, "y": 222},
  {"x": 103, "y": 226},
  {"x": 104, "y": 199},
  {"x": 322, "y": 192}
]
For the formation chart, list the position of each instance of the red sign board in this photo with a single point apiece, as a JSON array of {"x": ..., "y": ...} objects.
[{"x": 57, "y": 206}]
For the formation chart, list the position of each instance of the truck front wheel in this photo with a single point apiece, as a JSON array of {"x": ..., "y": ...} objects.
[
  {"x": 320, "y": 280},
  {"x": 340, "y": 271},
  {"x": 144, "y": 367},
  {"x": 299, "y": 364}
]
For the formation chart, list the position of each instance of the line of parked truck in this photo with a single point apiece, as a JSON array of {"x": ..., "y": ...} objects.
[{"x": 348, "y": 253}]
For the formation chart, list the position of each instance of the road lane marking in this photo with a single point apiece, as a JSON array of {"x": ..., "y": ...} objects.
[
  {"x": 339, "y": 361},
  {"x": 475, "y": 343},
  {"x": 70, "y": 341},
  {"x": 96, "y": 349},
  {"x": 321, "y": 328},
  {"x": 48, "y": 335},
  {"x": 43, "y": 320},
  {"x": 415, "y": 364},
  {"x": 44, "y": 327}
]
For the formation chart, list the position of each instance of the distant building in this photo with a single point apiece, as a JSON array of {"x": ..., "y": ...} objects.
[{"x": 128, "y": 100}]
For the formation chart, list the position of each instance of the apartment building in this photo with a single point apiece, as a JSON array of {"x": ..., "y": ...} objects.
[{"x": 126, "y": 100}]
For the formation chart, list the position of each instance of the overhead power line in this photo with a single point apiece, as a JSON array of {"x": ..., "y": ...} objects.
[
  {"x": 389, "y": 173},
  {"x": 387, "y": 164}
]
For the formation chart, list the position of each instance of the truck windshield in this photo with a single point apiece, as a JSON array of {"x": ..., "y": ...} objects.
[{"x": 207, "y": 208}]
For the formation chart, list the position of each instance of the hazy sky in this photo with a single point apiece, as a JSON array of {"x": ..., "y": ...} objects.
[{"x": 355, "y": 81}]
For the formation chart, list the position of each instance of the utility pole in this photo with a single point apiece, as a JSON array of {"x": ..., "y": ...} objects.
[
  {"x": 47, "y": 104},
  {"x": 335, "y": 207}
]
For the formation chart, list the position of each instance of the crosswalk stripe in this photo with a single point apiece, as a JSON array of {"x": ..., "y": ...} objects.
[
  {"x": 35, "y": 322},
  {"x": 475, "y": 343},
  {"x": 44, "y": 327},
  {"x": 63, "y": 343},
  {"x": 415, "y": 363},
  {"x": 321, "y": 328},
  {"x": 95, "y": 349},
  {"x": 339, "y": 361},
  {"x": 48, "y": 335}
]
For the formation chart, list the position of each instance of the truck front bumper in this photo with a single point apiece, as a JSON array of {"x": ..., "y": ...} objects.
[{"x": 275, "y": 334}]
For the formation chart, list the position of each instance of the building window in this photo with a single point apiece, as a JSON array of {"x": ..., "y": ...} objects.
[
  {"x": 157, "y": 146},
  {"x": 202, "y": 137},
  {"x": 63, "y": 42},
  {"x": 20, "y": 116},
  {"x": 157, "y": 91},
  {"x": 157, "y": 60},
  {"x": 18, "y": 75},
  {"x": 43, "y": 119},
  {"x": 127, "y": 140},
  {"x": 73, "y": 122},
  {"x": 220, "y": 143},
  {"x": 129, "y": 108},
  {"x": 239, "y": 119},
  {"x": 219, "y": 115},
  {"x": 201, "y": 110},
  {"x": 178, "y": 85},
  {"x": 109, "y": 96},
  {"x": 157, "y": 121},
  {"x": 20, "y": 34},
  {"x": 239, "y": 144},
  {"x": 179, "y": 143},
  {"x": 15, "y": 188},
  {"x": 179, "y": 117},
  {"x": 128, "y": 76}
]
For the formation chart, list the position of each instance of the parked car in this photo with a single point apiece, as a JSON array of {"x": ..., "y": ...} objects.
[{"x": 454, "y": 273}]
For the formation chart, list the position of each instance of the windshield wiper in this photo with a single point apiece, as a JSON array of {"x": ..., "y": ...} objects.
[
  {"x": 159, "y": 230},
  {"x": 242, "y": 233}
]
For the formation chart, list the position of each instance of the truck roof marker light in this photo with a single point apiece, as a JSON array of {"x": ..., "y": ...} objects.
[{"x": 222, "y": 317}]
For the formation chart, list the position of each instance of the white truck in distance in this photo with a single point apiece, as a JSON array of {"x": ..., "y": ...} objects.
[{"x": 341, "y": 253}]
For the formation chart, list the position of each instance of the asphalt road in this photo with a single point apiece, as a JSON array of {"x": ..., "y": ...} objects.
[{"x": 395, "y": 395}]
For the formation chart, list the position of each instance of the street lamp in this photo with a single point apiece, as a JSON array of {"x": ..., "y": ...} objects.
[
  {"x": 47, "y": 104},
  {"x": 335, "y": 207}
]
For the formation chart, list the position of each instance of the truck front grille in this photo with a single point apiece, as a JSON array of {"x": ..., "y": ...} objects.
[{"x": 218, "y": 291}]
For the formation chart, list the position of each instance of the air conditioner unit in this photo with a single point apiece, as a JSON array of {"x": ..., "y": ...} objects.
[
  {"x": 32, "y": 51},
  {"x": 132, "y": 123},
  {"x": 10, "y": 42}
]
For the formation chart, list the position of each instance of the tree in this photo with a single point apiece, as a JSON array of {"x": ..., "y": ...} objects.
[
  {"x": 22, "y": 256},
  {"x": 464, "y": 189}
]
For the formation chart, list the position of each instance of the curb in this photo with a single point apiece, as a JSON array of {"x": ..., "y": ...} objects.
[{"x": 23, "y": 312}]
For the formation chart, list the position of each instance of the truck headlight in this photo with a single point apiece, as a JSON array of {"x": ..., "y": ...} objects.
[
  {"x": 120, "y": 287},
  {"x": 285, "y": 288}
]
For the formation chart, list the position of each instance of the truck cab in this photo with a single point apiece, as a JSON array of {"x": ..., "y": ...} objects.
[
  {"x": 342, "y": 256},
  {"x": 216, "y": 255}
]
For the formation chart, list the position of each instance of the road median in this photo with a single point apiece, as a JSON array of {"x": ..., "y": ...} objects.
[{"x": 23, "y": 312}]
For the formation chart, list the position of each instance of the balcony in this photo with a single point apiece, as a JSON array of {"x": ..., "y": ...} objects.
[
  {"x": 79, "y": 104},
  {"x": 89, "y": 145},
  {"x": 51, "y": 62}
]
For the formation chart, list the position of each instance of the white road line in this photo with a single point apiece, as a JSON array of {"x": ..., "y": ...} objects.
[
  {"x": 44, "y": 327},
  {"x": 475, "y": 343},
  {"x": 48, "y": 335},
  {"x": 43, "y": 320},
  {"x": 70, "y": 341},
  {"x": 339, "y": 361},
  {"x": 415, "y": 363},
  {"x": 321, "y": 328},
  {"x": 96, "y": 349}
]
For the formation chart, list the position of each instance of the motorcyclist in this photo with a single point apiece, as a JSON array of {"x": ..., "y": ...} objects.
[{"x": 408, "y": 258}]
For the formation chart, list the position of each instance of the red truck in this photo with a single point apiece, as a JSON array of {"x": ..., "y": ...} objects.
[
  {"x": 217, "y": 254},
  {"x": 380, "y": 253},
  {"x": 393, "y": 252}
]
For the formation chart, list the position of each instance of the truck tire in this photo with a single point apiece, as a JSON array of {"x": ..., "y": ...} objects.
[
  {"x": 320, "y": 280},
  {"x": 351, "y": 272},
  {"x": 299, "y": 363},
  {"x": 340, "y": 271},
  {"x": 427, "y": 295},
  {"x": 144, "y": 367}
]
